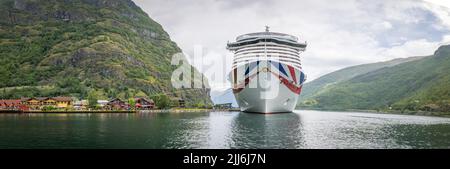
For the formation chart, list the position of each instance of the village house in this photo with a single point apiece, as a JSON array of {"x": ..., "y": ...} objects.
[
  {"x": 80, "y": 105},
  {"x": 10, "y": 105},
  {"x": 63, "y": 102},
  {"x": 117, "y": 104},
  {"x": 181, "y": 103},
  {"x": 223, "y": 106},
  {"x": 102, "y": 103},
  {"x": 37, "y": 103},
  {"x": 177, "y": 102},
  {"x": 144, "y": 104}
]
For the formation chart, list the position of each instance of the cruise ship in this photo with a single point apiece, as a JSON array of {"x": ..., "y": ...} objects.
[{"x": 266, "y": 74}]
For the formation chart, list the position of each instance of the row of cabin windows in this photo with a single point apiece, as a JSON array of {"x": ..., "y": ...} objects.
[
  {"x": 295, "y": 64},
  {"x": 259, "y": 49},
  {"x": 268, "y": 51},
  {"x": 270, "y": 56},
  {"x": 282, "y": 60},
  {"x": 261, "y": 54},
  {"x": 267, "y": 46}
]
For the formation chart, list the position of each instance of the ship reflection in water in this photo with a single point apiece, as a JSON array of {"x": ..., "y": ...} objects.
[
  {"x": 302, "y": 129},
  {"x": 267, "y": 131}
]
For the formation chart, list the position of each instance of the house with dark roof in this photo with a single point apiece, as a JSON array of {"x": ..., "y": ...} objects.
[
  {"x": 177, "y": 102},
  {"x": 117, "y": 104},
  {"x": 144, "y": 103}
]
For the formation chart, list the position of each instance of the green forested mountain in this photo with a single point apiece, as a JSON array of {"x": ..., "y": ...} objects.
[
  {"x": 419, "y": 83},
  {"x": 73, "y": 47},
  {"x": 328, "y": 80}
]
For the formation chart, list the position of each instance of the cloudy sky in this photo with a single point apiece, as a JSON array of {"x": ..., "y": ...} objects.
[{"x": 339, "y": 33}]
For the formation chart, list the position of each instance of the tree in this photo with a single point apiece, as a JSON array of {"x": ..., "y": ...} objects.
[
  {"x": 162, "y": 101},
  {"x": 92, "y": 98},
  {"x": 127, "y": 94},
  {"x": 132, "y": 103},
  {"x": 3, "y": 93},
  {"x": 200, "y": 105}
]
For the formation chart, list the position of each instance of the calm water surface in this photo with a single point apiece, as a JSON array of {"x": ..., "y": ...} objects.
[{"x": 302, "y": 129}]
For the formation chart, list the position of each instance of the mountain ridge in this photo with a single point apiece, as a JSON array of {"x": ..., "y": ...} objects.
[{"x": 73, "y": 47}]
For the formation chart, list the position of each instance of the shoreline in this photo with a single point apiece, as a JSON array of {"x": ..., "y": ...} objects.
[
  {"x": 397, "y": 112},
  {"x": 176, "y": 110},
  {"x": 63, "y": 111}
]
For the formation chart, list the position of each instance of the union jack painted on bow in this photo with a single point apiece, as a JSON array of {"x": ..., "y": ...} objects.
[{"x": 289, "y": 76}]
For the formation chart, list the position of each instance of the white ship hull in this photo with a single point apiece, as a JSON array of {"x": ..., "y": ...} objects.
[{"x": 265, "y": 89}]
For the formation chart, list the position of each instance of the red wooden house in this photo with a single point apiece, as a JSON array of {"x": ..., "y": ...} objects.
[
  {"x": 144, "y": 104},
  {"x": 11, "y": 105}
]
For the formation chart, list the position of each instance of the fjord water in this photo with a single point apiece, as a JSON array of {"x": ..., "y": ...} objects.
[{"x": 302, "y": 129}]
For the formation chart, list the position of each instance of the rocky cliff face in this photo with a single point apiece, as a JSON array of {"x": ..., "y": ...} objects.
[{"x": 71, "y": 47}]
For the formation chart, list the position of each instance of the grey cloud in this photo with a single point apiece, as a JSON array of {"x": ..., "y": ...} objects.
[{"x": 341, "y": 33}]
